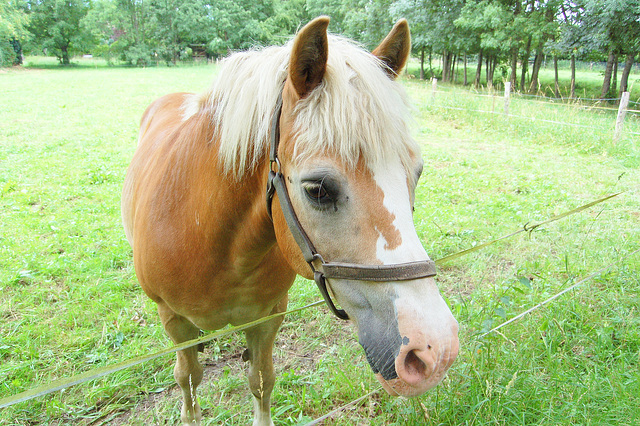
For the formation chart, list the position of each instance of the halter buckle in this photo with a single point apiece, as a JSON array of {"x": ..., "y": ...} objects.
[{"x": 275, "y": 161}]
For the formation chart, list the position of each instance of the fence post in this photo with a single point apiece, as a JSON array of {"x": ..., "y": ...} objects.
[
  {"x": 622, "y": 111},
  {"x": 507, "y": 91},
  {"x": 434, "y": 87}
]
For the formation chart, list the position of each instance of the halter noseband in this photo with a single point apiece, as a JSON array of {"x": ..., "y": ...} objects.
[{"x": 347, "y": 271}]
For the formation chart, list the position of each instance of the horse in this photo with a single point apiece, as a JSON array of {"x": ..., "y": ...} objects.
[{"x": 321, "y": 125}]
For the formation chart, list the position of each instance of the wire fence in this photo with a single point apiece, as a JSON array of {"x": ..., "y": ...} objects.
[
  {"x": 104, "y": 371},
  {"x": 520, "y": 116},
  {"x": 551, "y": 99},
  {"x": 585, "y": 104},
  {"x": 493, "y": 330}
]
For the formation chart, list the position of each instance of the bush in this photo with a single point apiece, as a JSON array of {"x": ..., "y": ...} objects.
[
  {"x": 138, "y": 54},
  {"x": 10, "y": 53}
]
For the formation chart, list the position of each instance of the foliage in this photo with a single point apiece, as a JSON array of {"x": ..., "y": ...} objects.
[
  {"x": 433, "y": 19},
  {"x": 503, "y": 36},
  {"x": 487, "y": 21},
  {"x": 13, "y": 32},
  {"x": 612, "y": 25},
  {"x": 164, "y": 30},
  {"x": 55, "y": 25}
]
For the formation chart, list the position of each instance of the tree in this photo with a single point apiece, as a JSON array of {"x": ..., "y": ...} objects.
[
  {"x": 612, "y": 27},
  {"x": 288, "y": 16},
  {"x": 141, "y": 32},
  {"x": 101, "y": 21},
  {"x": 164, "y": 15},
  {"x": 570, "y": 40},
  {"x": 332, "y": 8},
  {"x": 622, "y": 18},
  {"x": 13, "y": 32},
  {"x": 56, "y": 27},
  {"x": 489, "y": 23},
  {"x": 433, "y": 28},
  {"x": 546, "y": 25},
  {"x": 419, "y": 29},
  {"x": 239, "y": 24},
  {"x": 367, "y": 21}
]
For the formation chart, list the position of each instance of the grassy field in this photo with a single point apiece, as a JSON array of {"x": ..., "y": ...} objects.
[{"x": 69, "y": 300}]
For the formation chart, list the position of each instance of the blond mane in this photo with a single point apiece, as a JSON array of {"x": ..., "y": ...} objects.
[{"x": 357, "y": 110}]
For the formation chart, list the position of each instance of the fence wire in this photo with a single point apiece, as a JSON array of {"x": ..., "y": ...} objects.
[
  {"x": 563, "y": 100},
  {"x": 499, "y": 97},
  {"x": 103, "y": 371},
  {"x": 519, "y": 116},
  {"x": 493, "y": 330}
]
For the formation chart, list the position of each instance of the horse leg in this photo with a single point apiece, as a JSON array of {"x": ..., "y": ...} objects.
[
  {"x": 188, "y": 371},
  {"x": 261, "y": 376}
]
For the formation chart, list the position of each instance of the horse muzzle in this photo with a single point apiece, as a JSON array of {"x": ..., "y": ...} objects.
[
  {"x": 420, "y": 366},
  {"x": 410, "y": 341}
]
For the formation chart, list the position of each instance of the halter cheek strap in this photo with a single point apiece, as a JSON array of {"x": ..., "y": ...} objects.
[{"x": 346, "y": 271}]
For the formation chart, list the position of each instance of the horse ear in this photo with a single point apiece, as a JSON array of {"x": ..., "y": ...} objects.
[
  {"x": 309, "y": 56},
  {"x": 395, "y": 48}
]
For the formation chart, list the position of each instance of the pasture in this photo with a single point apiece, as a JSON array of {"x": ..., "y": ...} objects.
[{"x": 69, "y": 300}]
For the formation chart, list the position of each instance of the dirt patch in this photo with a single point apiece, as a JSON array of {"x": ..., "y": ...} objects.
[{"x": 298, "y": 347}]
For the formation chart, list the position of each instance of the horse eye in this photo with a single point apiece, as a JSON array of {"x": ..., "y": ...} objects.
[{"x": 316, "y": 192}]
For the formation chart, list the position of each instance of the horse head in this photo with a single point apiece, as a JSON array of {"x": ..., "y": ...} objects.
[{"x": 348, "y": 168}]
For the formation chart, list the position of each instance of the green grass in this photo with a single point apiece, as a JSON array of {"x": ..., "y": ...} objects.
[{"x": 69, "y": 300}]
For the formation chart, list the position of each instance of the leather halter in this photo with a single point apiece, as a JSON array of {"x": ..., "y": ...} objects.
[{"x": 347, "y": 271}]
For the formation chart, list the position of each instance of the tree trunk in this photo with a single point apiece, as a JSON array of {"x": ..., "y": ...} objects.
[
  {"x": 494, "y": 64},
  {"x": 491, "y": 63},
  {"x": 422, "y": 64},
  {"x": 537, "y": 63},
  {"x": 614, "y": 77},
  {"x": 525, "y": 65},
  {"x": 606, "y": 83},
  {"x": 476, "y": 82},
  {"x": 17, "y": 49},
  {"x": 453, "y": 68},
  {"x": 556, "y": 90},
  {"x": 514, "y": 68},
  {"x": 445, "y": 65},
  {"x": 487, "y": 72},
  {"x": 65, "y": 55},
  {"x": 628, "y": 64},
  {"x": 465, "y": 70},
  {"x": 514, "y": 52},
  {"x": 572, "y": 94}
]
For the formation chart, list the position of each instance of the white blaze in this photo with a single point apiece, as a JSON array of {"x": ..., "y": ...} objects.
[{"x": 392, "y": 179}]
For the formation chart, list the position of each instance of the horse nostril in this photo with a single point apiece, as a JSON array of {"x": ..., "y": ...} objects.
[{"x": 413, "y": 365}]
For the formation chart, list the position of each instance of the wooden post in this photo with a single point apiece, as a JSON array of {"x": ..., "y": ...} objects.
[
  {"x": 507, "y": 91},
  {"x": 622, "y": 111},
  {"x": 434, "y": 87}
]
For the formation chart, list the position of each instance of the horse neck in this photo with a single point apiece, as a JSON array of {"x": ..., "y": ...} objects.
[
  {"x": 233, "y": 209},
  {"x": 254, "y": 236}
]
